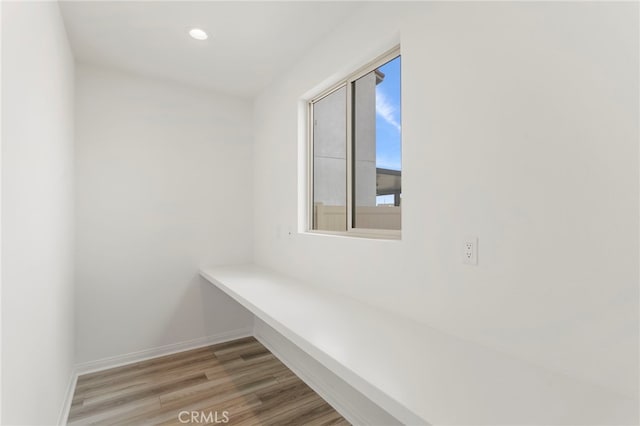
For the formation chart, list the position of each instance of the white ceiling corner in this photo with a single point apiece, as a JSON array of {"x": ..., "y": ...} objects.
[{"x": 249, "y": 43}]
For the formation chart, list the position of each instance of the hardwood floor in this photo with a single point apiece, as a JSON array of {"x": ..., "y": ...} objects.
[{"x": 235, "y": 383}]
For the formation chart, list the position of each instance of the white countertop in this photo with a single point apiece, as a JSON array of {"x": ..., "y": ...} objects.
[{"x": 416, "y": 373}]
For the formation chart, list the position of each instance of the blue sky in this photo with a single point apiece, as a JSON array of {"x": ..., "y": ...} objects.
[{"x": 388, "y": 117}]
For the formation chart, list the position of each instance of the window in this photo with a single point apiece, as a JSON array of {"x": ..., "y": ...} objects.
[{"x": 355, "y": 152}]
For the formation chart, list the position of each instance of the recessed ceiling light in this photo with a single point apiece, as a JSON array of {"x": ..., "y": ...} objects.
[{"x": 198, "y": 34}]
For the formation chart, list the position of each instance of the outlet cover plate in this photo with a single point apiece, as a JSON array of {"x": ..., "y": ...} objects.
[{"x": 470, "y": 251}]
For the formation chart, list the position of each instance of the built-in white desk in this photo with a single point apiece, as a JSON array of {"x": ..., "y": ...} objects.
[{"x": 416, "y": 373}]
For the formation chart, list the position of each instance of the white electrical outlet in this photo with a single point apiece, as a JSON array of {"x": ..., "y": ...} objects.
[{"x": 470, "y": 251}]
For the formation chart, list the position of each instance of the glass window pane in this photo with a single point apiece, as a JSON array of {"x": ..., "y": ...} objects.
[
  {"x": 377, "y": 148},
  {"x": 330, "y": 162}
]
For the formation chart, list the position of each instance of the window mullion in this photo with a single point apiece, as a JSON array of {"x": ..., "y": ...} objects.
[
  {"x": 311, "y": 223},
  {"x": 350, "y": 171}
]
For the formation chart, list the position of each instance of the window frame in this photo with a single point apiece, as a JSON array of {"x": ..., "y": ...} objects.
[{"x": 391, "y": 234}]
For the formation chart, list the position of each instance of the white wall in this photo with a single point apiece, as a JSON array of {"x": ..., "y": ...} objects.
[
  {"x": 519, "y": 127},
  {"x": 163, "y": 187},
  {"x": 37, "y": 213}
]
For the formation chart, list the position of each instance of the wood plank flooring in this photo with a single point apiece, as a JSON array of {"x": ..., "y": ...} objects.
[{"x": 237, "y": 383}]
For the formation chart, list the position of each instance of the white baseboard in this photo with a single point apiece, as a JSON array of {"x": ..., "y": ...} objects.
[
  {"x": 350, "y": 403},
  {"x": 120, "y": 360},
  {"x": 66, "y": 404},
  {"x": 346, "y": 400}
]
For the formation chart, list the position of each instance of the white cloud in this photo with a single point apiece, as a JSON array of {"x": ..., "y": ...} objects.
[{"x": 386, "y": 110}]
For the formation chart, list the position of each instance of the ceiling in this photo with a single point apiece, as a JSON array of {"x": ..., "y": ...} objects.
[{"x": 249, "y": 45}]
